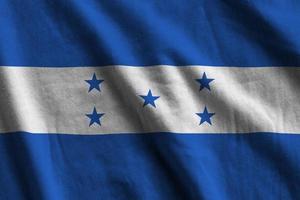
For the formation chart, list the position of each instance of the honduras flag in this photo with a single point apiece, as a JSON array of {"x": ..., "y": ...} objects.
[{"x": 116, "y": 99}]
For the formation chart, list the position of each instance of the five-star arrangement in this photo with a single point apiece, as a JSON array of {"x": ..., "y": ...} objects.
[{"x": 149, "y": 99}]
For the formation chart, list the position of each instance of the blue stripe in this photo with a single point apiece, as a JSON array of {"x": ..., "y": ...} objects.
[
  {"x": 174, "y": 32},
  {"x": 150, "y": 166}
]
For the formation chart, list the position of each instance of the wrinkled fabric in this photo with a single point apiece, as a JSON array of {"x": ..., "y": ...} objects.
[
  {"x": 150, "y": 156},
  {"x": 80, "y": 33}
]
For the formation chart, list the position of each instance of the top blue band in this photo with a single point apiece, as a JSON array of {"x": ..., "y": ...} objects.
[{"x": 140, "y": 33}]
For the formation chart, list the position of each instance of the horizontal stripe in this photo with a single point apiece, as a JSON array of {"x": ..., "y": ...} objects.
[
  {"x": 53, "y": 100},
  {"x": 152, "y": 166},
  {"x": 200, "y": 32}
]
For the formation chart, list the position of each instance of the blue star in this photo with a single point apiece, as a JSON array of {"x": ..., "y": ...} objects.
[
  {"x": 149, "y": 99},
  {"x": 204, "y": 82},
  {"x": 95, "y": 117},
  {"x": 205, "y": 116},
  {"x": 94, "y": 83}
]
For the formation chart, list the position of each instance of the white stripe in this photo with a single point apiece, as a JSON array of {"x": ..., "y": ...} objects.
[{"x": 55, "y": 100}]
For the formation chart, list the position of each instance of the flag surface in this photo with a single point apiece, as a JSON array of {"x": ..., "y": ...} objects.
[{"x": 149, "y": 100}]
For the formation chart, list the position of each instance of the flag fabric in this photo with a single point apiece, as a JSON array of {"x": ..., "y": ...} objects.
[{"x": 149, "y": 99}]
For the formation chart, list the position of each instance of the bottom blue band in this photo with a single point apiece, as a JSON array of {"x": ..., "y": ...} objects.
[{"x": 150, "y": 166}]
